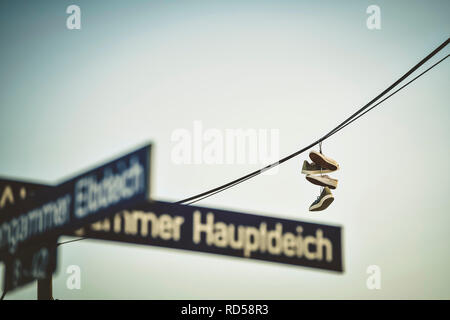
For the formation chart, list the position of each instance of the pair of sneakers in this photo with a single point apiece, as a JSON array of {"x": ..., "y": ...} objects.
[{"x": 315, "y": 174}]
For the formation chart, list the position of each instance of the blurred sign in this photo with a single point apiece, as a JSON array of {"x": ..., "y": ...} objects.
[
  {"x": 12, "y": 192},
  {"x": 112, "y": 203},
  {"x": 119, "y": 184},
  {"x": 28, "y": 228},
  {"x": 224, "y": 232},
  {"x": 37, "y": 261},
  {"x": 31, "y": 263}
]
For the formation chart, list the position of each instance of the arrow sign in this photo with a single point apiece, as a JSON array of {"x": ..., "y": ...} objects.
[
  {"x": 224, "y": 232},
  {"x": 13, "y": 191}
]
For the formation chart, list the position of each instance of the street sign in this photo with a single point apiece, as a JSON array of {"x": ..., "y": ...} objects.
[
  {"x": 117, "y": 185},
  {"x": 112, "y": 203},
  {"x": 224, "y": 232},
  {"x": 32, "y": 263},
  {"x": 13, "y": 191},
  {"x": 37, "y": 261}
]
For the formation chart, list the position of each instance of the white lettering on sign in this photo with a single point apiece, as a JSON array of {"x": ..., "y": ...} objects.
[
  {"x": 123, "y": 179},
  {"x": 49, "y": 215},
  {"x": 144, "y": 224},
  {"x": 251, "y": 239},
  {"x": 92, "y": 195}
]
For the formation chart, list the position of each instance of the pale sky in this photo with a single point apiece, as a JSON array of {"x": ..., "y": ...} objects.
[{"x": 139, "y": 70}]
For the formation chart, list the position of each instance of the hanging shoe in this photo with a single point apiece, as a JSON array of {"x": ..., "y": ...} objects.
[
  {"x": 323, "y": 201},
  {"x": 325, "y": 162},
  {"x": 322, "y": 180},
  {"x": 313, "y": 168}
]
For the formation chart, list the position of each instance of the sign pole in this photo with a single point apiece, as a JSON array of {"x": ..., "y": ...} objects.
[{"x": 45, "y": 288}]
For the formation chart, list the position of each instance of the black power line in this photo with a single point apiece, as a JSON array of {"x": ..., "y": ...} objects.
[
  {"x": 333, "y": 132},
  {"x": 69, "y": 241},
  {"x": 405, "y": 85},
  {"x": 347, "y": 121},
  {"x": 342, "y": 125},
  {"x": 358, "y": 114}
]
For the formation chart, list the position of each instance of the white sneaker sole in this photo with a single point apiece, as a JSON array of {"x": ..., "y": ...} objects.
[
  {"x": 323, "y": 203},
  {"x": 322, "y": 181},
  {"x": 316, "y": 171}
]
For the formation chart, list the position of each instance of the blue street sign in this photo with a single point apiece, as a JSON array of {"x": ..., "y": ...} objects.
[
  {"x": 224, "y": 232},
  {"x": 119, "y": 184}
]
